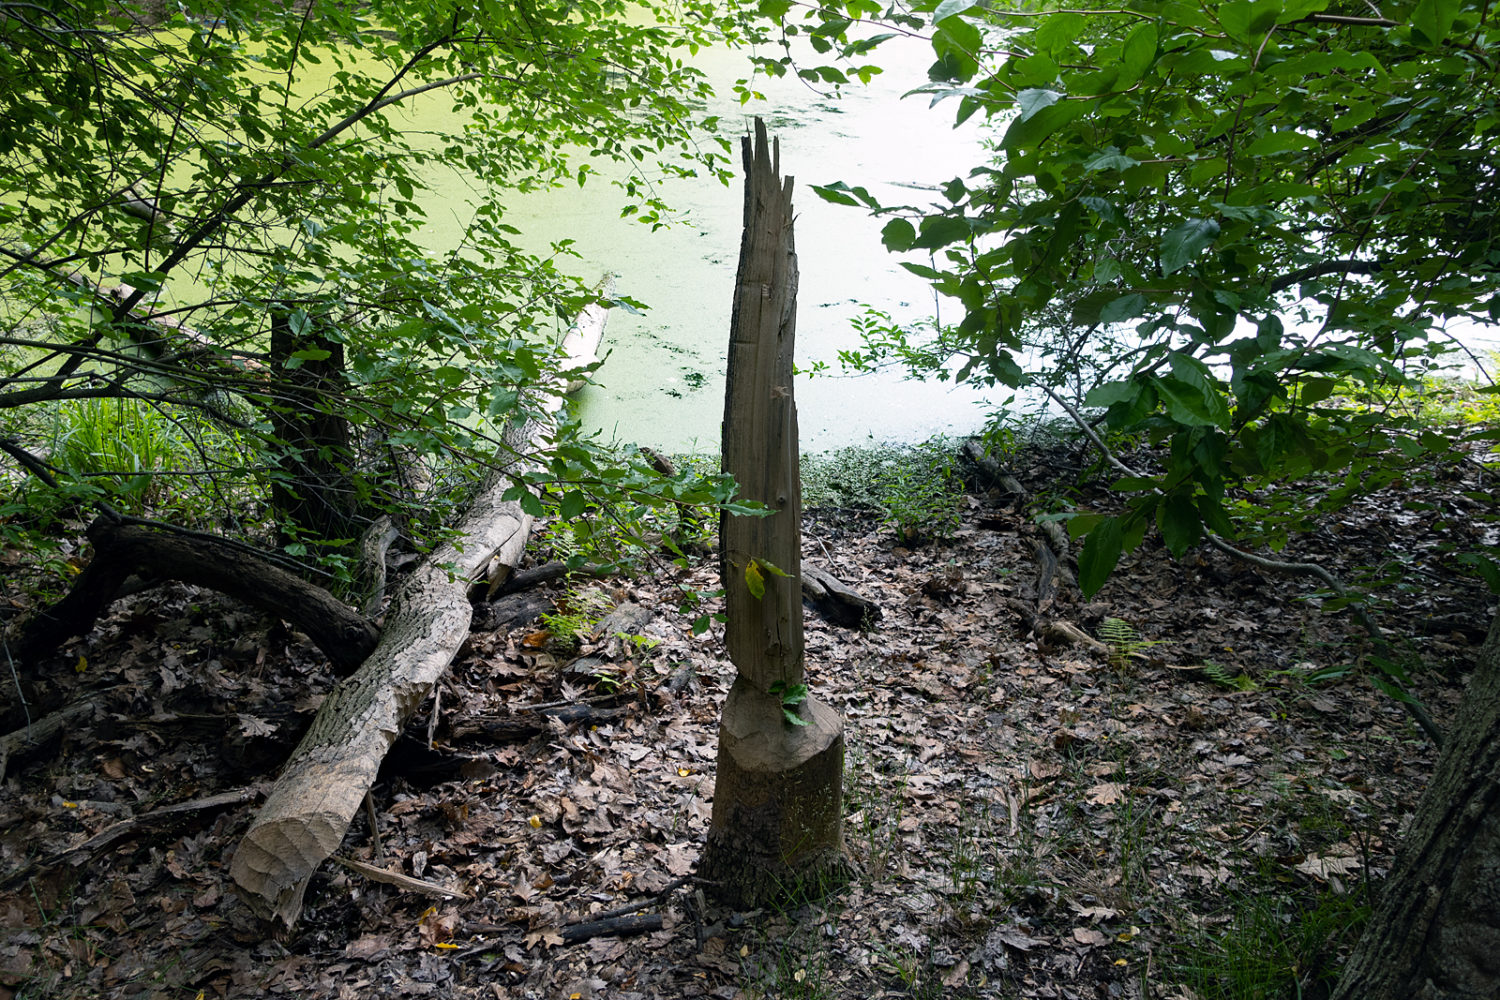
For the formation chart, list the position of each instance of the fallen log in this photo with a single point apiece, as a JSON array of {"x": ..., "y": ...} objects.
[
  {"x": 989, "y": 473},
  {"x": 580, "y": 346},
  {"x": 518, "y": 728},
  {"x": 309, "y": 809},
  {"x": 836, "y": 601},
  {"x": 122, "y": 550},
  {"x": 304, "y": 818},
  {"x": 641, "y": 923},
  {"x": 32, "y": 737}
]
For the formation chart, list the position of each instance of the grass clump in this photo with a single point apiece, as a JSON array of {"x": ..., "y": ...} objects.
[
  {"x": 916, "y": 488},
  {"x": 1270, "y": 947}
]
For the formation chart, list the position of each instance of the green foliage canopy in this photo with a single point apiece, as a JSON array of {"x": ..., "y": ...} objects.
[
  {"x": 173, "y": 176},
  {"x": 1248, "y": 206}
]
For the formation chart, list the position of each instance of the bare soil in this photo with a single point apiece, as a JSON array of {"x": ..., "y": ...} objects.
[{"x": 1027, "y": 817}]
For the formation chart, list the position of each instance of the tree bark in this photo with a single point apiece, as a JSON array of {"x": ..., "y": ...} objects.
[
  {"x": 309, "y": 809},
  {"x": 777, "y": 828},
  {"x": 836, "y": 600},
  {"x": 315, "y": 490},
  {"x": 1435, "y": 934}
]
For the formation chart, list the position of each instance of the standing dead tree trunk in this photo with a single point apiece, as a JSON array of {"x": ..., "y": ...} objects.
[
  {"x": 315, "y": 491},
  {"x": 308, "y": 811},
  {"x": 777, "y": 827},
  {"x": 1435, "y": 934}
]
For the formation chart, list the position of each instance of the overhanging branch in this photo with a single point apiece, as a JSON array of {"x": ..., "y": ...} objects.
[
  {"x": 1318, "y": 572},
  {"x": 1342, "y": 267}
]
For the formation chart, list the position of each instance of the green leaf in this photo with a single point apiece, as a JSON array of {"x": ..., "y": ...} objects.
[
  {"x": 1058, "y": 34},
  {"x": 573, "y": 504},
  {"x": 1177, "y": 519},
  {"x": 1191, "y": 371},
  {"x": 1284, "y": 141},
  {"x": 951, "y": 8},
  {"x": 1185, "y": 403},
  {"x": 771, "y": 568},
  {"x": 1100, "y": 555},
  {"x": 1137, "y": 54},
  {"x": 1186, "y": 241},
  {"x": 898, "y": 235},
  {"x": 842, "y": 194},
  {"x": 1033, "y": 100},
  {"x": 940, "y": 230},
  {"x": 1112, "y": 159},
  {"x": 791, "y": 696},
  {"x": 1033, "y": 130},
  {"x": 1433, "y": 19},
  {"x": 1081, "y": 524},
  {"x": 1110, "y": 393},
  {"x": 1123, "y": 308}
]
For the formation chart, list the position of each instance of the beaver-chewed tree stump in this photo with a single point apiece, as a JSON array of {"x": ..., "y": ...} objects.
[{"x": 776, "y": 835}]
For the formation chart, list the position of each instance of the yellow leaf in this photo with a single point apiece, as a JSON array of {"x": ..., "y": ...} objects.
[
  {"x": 82, "y": 664},
  {"x": 535, "y": 821},
  {"x": 428, "y": 912},
  {"x": 683, "y": 772},
  {"x": 754, "y": 581},
  {"x": 744, "y": 950},
  {"x": 1121, "y": 961},
  {"x": 445, "y": 945},
  {"x": 70, "y": 805}
]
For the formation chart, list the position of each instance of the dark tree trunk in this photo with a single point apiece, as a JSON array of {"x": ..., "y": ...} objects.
[
  {"x": 1435, "y": 934},
  {"x": 315, "y": 491}
]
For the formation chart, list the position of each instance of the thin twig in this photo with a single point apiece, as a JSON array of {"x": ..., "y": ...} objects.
[{"x": 374, "y": 819}]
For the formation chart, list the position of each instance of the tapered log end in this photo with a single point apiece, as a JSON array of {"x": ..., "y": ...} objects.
[{"x": 275, "y": 862}]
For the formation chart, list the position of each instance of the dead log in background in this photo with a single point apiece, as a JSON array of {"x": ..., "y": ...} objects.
[
  {"x": 836, "y": 601},
  {"x": 121, "y": 550},
  {"x": 308, "y": 811}
]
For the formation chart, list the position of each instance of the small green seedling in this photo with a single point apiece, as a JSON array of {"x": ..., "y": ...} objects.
[{"x": 792, "y": 696}]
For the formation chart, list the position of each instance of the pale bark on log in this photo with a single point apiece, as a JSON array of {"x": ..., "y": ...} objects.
[
  {"x": 310, "y": 808},
  {"x": 1435, "y": 934},
  {"x": 308, "y": 811}
]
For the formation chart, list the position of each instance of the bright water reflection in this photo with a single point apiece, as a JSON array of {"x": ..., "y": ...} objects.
[{"x": 664, "y": 382}]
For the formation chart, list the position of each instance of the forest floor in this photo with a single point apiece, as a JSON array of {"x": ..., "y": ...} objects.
[{"x": 1186, "y": 807}]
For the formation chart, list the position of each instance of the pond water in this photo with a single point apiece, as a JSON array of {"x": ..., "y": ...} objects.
[{"x": 663, "y": 382}]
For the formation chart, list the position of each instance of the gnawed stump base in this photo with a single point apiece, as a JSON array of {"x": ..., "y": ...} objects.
[{"x": 777, "y": 834}]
